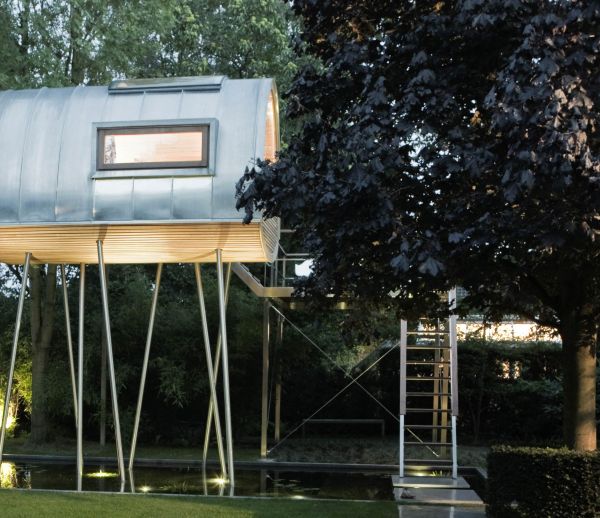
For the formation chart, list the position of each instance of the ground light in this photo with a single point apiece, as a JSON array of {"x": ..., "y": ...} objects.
[
  {"x": 102, "y": 474},
  {"x": 145, "y": 489},
  {"x": 218, "y": 481},
  {"x": 8, "y": 475}
]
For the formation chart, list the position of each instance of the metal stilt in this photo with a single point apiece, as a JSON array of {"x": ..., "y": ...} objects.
[
  {"x": 278, "y": 368},
  {"x": 402, "y": 376},
  {"x": 453, "y": 371},
  {"x": 209, "y": 367},
  {"x": 13, "y": 357},
  {"x": 216, "y": 365},
  {"x": 111, "y": 365},
  {"x": 80, "y": 377},
  {"x": 225, "y": 366},
  {"x": 264, "y": 421},
  {"x": 138, "y": 410},
  {"x": 63, "y": 277}
]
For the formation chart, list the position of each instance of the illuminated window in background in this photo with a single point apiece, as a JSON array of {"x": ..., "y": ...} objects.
[
  {"x": 270, "y": 131},
  {"x": 153, "y": 147}
]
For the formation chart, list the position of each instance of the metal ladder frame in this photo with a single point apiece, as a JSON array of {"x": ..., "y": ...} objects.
[{"x": 439, "y": 383}]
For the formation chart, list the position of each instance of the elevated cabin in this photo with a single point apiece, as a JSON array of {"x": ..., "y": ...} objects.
[{"x": 147, "y": 166}]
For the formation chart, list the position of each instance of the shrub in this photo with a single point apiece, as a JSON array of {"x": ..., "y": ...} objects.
[
  {"x": 543, "y": 482},
  {"x": 510, "y": 391}
]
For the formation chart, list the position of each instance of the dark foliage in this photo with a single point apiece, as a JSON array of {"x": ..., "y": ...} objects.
[
  {"x": 446, "y": 143},
  {"x": 524, "y": 482},
  {"x": 510, "y": 392},
  {"x": 451, "y": 143}
]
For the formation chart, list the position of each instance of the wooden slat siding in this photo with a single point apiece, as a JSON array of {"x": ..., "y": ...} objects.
[
  {"x": 270, "y": 237},
  {"x": 130, "y": 244}
]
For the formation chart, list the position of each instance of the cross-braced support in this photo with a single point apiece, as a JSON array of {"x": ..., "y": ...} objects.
[
  {"x": 209, "y": 366},
  {"x": 216, "y": 365},
  {"x": 63, "y": 277},
  {"x": 225, "y": 366},
  {"x": 13, "y": 357},
  {"x": 138, "y": 411},
  {"x": 111, "y": 365}
]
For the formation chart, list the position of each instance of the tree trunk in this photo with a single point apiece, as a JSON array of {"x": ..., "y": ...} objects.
[
  {"x": 42, "y": 326},
  {"x": 579, "y": 385}
]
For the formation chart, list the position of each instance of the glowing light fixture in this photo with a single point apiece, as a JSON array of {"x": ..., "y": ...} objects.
[
  {"x": 8, "y": 475},
  {"x": 145, "y": 489},
  {"x": 102, "y": 474},
  {"x": 218, "y": 481}
]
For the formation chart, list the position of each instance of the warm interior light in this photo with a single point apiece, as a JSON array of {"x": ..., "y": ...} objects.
[
  {"x": 270, "y": 131},
  {"x": 153, "y": 147}
]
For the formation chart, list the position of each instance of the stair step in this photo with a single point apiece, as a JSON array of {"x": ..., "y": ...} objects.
[
  {"x": 426, "y": 347},
  {"x": 425, "y": 333},
  {"x": 437, "y": 461},
  {"x": 427, "y": 378},
  {"x": 427, "y": 426},
  {"x": 427, "y": 362},
  {"x": 427, "y": 443},
  {"x": 430, "y": 394},
  {"x": 427, "y": 410},
  {"x": 431, "y": 482},
  {"x": 433, "y": 497}
]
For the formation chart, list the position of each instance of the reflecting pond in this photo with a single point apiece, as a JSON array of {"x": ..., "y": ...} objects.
[{"x": 249, "y": 482}]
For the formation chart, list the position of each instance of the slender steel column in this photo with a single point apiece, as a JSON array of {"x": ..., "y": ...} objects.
[
  {"x": 209, "y": 367},
  {"x": 278, "y": 376},
  {"x": 264, "y": 404},
  {"x": 453, "y": 378},
  {"x": 111, "y": 363},
  {"x": 216, "y": 365},
  {"x": 13, "y": 357},
  {"x": 63, "y": 277},
  {"x": 138, "y": 410},
  {"x": 402, "y": 376},
  {"x": 225, "y": 366},
  {"x": 80, "y": 377}
]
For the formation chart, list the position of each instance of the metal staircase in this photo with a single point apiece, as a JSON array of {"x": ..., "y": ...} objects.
[{"x": 429, "y": 392}]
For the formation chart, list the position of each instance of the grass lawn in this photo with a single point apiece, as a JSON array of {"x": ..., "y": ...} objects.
[{"x": 63, "y": 505}]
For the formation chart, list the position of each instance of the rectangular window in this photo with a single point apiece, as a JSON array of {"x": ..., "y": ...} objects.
[{"x": 152, "y": 147}]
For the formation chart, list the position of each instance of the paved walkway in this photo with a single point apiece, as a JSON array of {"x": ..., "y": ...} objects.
[{"x": 435, "y": 511}]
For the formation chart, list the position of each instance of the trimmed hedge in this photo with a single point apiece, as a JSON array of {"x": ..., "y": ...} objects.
[{"x": 543, "y": 482}]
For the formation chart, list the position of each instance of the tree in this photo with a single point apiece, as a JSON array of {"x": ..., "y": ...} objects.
[
  {"x": 237, "y": 38},
  {"x": 68, "y": 42},
  {"x": 452, "y": 143},
  {"x": 61, "y": 44}
]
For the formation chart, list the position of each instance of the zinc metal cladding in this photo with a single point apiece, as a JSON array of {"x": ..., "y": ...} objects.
[{"x": 48, "y": 170}]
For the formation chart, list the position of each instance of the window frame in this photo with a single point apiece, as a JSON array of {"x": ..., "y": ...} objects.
[{"x": 205, "y": 167}]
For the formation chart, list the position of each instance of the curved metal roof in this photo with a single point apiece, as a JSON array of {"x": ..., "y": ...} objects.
[
  {"x": 57, "y": 199},
  {"x": 47, "y": 150}
]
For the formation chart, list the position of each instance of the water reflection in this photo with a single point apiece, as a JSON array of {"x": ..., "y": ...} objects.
[{"x": 265, "y": 482}]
